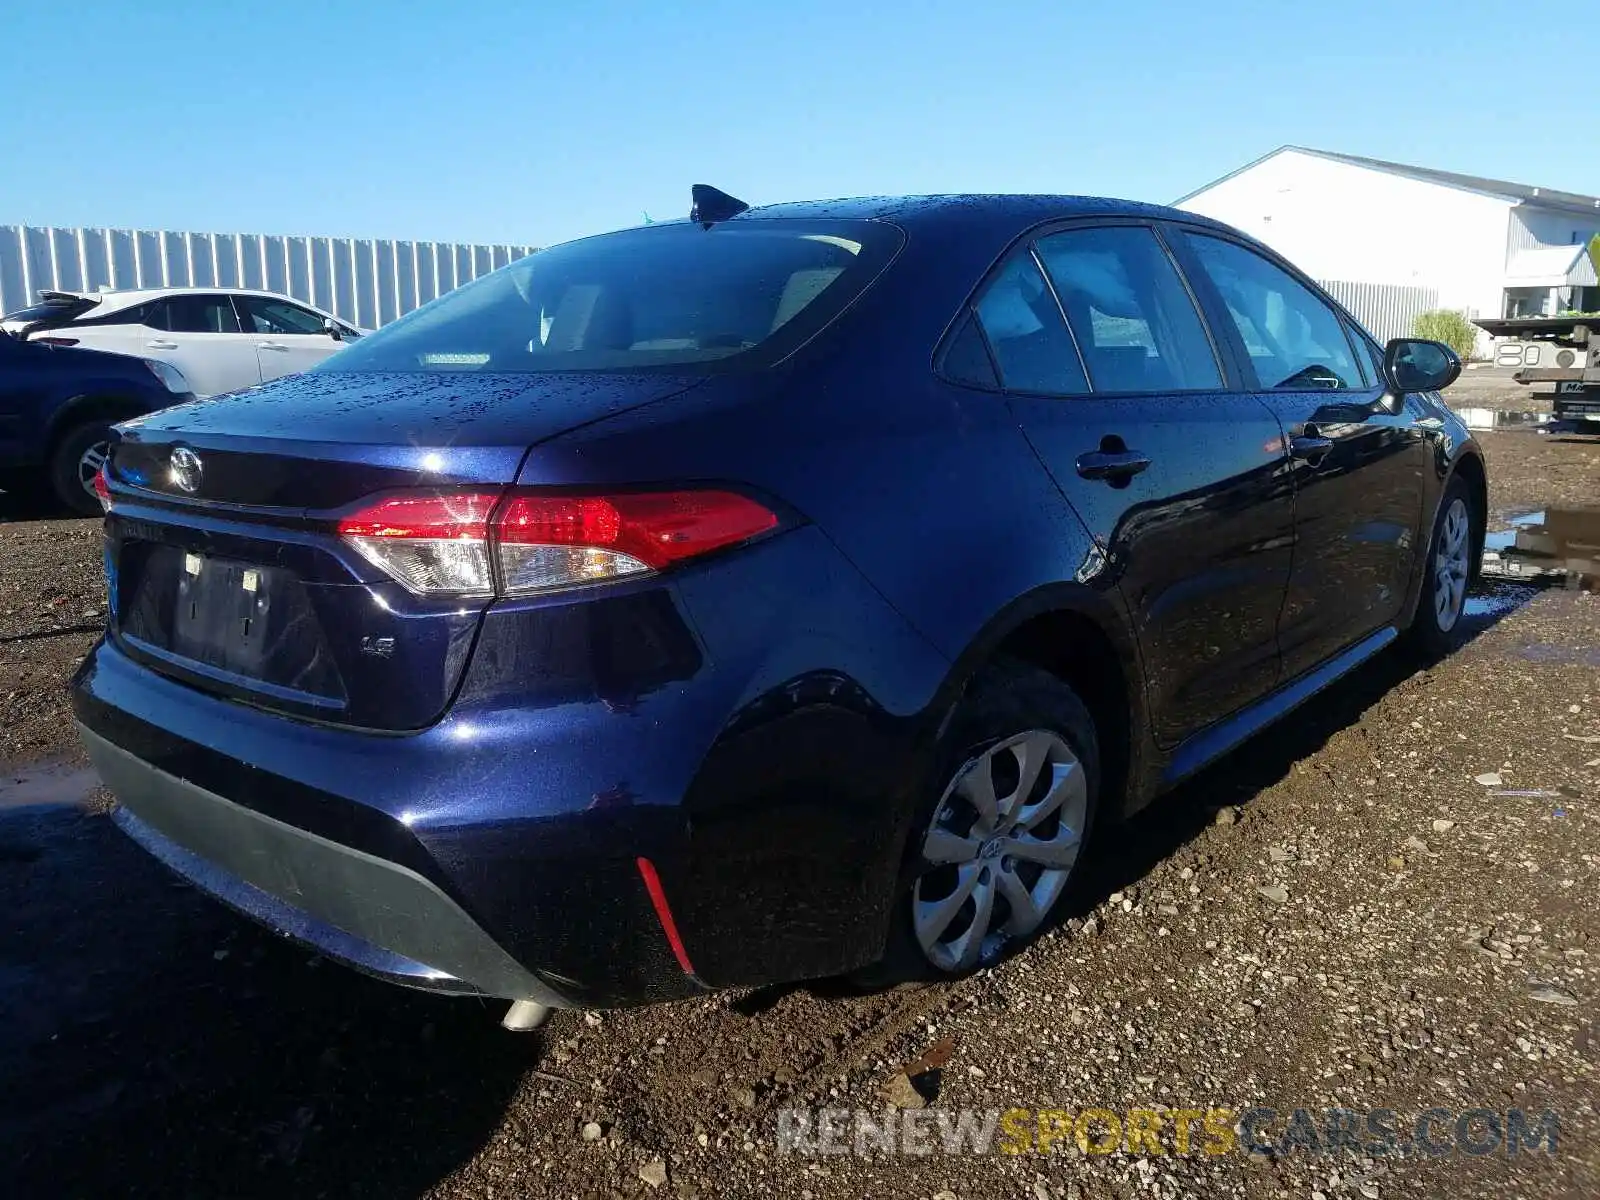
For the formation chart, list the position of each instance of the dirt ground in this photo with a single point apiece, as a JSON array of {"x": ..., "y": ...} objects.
[
  {"x": 1388, "y": 902},
  {"x": 1483, "y": 386}
]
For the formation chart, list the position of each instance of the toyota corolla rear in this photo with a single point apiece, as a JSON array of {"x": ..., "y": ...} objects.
[{"x": 396, "y": 668}]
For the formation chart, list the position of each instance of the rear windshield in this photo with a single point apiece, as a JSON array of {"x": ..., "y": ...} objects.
[
  {"x": 53, "y": 309},
  {"x": 744, "y": 292}
]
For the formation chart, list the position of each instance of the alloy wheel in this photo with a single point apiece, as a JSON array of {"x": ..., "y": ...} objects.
[
  {"x": 1003, "y": 842},
  {"x": 90, "y": 462},
  {"x": 1450, "y": 565}
]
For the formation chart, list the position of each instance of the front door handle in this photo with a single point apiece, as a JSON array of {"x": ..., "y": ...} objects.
[
  {"x": 1114, "y": 465},
  {"x": 271, "y": 346},
  {"x": 1310, "y": 447},
  {"x": 158, "y": 344}
]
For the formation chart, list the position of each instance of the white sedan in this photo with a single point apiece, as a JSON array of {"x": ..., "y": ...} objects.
[{"x": 222, "y": 339}]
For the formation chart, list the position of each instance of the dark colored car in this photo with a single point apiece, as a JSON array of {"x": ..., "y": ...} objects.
[
  {"x": 783, "y": 593},
  {"x": 57, "y": 407}
]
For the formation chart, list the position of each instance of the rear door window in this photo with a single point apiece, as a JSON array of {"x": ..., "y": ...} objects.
[
  {"x": 1295, "y": 341},
  {"x": 1135, "y": 322},
  {"x": 123, "y": 316},
  {"x": 1030, "y": 341},
  {"x": 192, "y": 314}
]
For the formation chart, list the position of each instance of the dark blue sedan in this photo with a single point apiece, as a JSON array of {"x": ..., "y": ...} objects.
[
  {"x": 781, "y": 593},
  {"x": 58, "y": 402}
]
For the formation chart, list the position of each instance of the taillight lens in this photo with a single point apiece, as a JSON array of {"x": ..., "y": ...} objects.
[
  {"x": 462, "y": 544},
  {"x": 55, "y": 341},
  {"x": 429, "y": 543}
]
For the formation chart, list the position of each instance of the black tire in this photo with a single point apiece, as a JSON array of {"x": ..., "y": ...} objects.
[
  {"x": 66, "y": 463},
  {"x": 1436, "y": 630},
  {"x": 1008, "y": 699}
]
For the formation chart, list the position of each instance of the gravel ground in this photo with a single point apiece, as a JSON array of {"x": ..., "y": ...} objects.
[
  {"x": 1388, "y": 902},
  {"x": 1528, "y": 472},
  {"x": 52, "y": 608}
]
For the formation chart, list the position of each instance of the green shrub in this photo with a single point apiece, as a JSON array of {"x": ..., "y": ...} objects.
[{"x": 1447, "y": 326}]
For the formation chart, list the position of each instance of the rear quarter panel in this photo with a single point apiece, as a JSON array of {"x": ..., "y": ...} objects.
[
  {"x": 929, "y": 489},
  {"x": 44, "y": 389}
]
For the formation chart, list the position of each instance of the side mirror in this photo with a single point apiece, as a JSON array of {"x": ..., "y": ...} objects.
[
  {"x": 1415, "y": 365},
  {"x": 331, "y": 328}
]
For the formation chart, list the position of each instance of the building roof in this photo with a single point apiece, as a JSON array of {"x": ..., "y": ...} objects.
[
  {"x": 1551, "y": 266},
  {"x": 1519, "y": 192}
]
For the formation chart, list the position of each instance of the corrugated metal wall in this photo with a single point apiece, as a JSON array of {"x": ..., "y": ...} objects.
[
  {"x": 363, "y": 281},
  {"x": 370, "y": 283},
  {"x": 1387, "y": 310}
]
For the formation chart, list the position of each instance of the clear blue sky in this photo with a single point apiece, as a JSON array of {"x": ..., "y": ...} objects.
[{"x": 535, "y": 121}]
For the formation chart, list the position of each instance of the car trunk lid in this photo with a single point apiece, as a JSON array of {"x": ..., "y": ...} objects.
[{"x": 224, "y": 561}]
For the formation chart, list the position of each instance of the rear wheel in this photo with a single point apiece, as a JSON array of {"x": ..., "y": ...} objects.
[
  {"x": 77, "y": 459},
  {"x": 997, "y": 846},
  {"x": 1436, "y": 627}
]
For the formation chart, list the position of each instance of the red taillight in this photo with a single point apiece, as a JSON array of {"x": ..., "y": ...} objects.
[
  {"x": 454, "y": 543},
  {"x": 657, "y": 528},
  {"x": 457, "y": 516},
  {"x": 102, "y": 488},
  {"x": 54, "y": 341}
]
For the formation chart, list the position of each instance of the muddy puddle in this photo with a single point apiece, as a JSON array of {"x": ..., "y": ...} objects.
[
  {"x": 1495, "y": 418},
  {"x": 1556, "y": 544},
  {"x": 49, "y": 784},
  {"x": 1495, "y": 600}
]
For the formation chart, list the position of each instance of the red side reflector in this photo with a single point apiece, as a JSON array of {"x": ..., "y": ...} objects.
[
  {"x": 102, "y": 489},
  {"x": 658, "y": 898}
]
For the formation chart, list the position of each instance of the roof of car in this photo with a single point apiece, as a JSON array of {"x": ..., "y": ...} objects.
[
  {"x": 122, "y": 296},
  {"x": 1009, "y": 209}
]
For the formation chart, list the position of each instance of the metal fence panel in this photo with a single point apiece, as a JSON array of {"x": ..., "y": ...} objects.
[
  {"x": 365, "y": 282},
  {"x": 1387, "y": 310}
]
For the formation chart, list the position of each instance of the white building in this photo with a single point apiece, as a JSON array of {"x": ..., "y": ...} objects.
[{"x": 1389, "y": 240}]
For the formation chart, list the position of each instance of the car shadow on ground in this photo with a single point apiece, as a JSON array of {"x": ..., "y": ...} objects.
[
  {"x": 34, "y": 504},
  {"x": 1177, "y": 818},
  {"x": 155, "y": 1044},
  {"x": 1125, "y": 854}
]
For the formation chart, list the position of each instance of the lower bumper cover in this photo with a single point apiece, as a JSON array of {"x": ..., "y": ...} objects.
[{"x": 373, "y": 914}]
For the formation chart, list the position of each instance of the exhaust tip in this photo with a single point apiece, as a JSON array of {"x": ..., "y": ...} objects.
[{"x": 525, "y": 1015}]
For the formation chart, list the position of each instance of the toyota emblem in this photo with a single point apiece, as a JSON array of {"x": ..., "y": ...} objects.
[{"x": 184, "y": 469}]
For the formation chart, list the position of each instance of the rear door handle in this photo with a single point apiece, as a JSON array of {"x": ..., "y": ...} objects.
[
  {"x": 1310, "y": 447},
  {"x": 271, "y": 346},
  {"x": 158, "y": 344},
  {"x": 1114, "y": 465}
]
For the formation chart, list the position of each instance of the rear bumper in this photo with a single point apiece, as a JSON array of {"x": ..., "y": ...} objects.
[
  {"x": 413, "y": 858},
  {"x": 767, "y": 781},
  {"x": 375, "y": 915}
]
